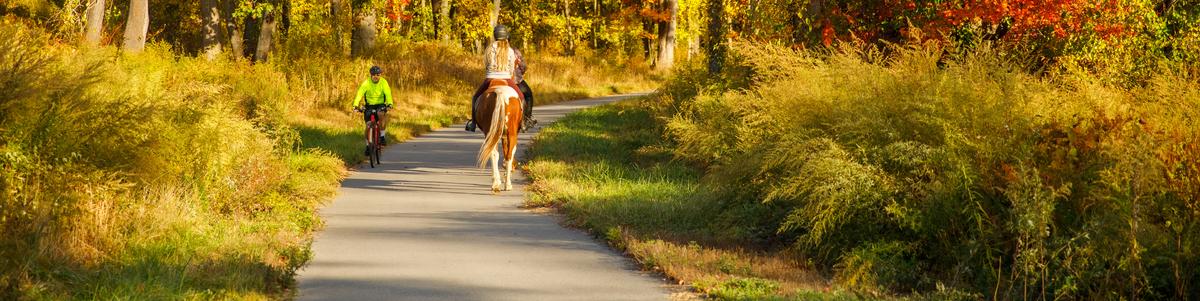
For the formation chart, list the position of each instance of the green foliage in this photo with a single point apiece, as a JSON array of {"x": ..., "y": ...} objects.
[
  {"x": 903, "y": 176},
  {"x": 739, "y": 289}
]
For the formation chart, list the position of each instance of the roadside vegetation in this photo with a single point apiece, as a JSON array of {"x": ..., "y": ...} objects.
[
  {"x": 159, "y": 176},
  {"x": 892, "y": 173}
]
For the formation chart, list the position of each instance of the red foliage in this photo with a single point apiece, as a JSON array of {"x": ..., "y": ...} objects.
[
  {"x": 395, "y": 11},
  {"x": 1025, "y": 19},
  {"x": 1036, "y": 18}
]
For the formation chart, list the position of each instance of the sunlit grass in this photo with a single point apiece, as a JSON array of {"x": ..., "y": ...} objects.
[{"x": 605, "y": 170}]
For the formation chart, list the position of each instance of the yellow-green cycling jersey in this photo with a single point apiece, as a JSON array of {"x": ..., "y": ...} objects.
[{"x": 375, "y": 93}]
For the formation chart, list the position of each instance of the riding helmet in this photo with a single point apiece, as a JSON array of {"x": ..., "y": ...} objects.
[
  {"x": 376, "y": 70},
  {"x": 501, "y": 32}
]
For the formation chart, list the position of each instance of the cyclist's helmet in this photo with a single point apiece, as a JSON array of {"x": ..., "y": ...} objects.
[
  {"x": 375, "y": 70},
  {"x": 501, "y": 32}
]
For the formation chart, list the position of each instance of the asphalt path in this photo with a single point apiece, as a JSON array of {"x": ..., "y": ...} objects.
[{"x": 425, "y": 226}]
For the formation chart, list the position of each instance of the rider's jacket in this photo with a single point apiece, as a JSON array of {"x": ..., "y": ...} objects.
[
  {"x": 375, "y": 93},
  {"x": 499, "y": 67}
]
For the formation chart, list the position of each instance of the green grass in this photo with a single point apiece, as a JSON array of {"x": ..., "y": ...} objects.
[
  {"x": 600, "y": 165},
  {"x": 607, "y": 170}
]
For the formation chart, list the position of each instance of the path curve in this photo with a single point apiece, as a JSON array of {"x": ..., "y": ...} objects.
[{"x": 425, "y": 226}]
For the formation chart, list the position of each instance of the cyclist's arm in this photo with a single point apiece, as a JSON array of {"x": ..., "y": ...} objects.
[
  {"x": 387, "y": 92},
  {"x": 362, "y": 90}
]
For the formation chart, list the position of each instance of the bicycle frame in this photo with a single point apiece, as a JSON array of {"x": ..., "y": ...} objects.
[{"x": 373, "y": 146}]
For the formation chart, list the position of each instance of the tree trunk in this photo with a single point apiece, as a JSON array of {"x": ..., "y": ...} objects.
[
  {"x": 716, "y": 46},
  {"x": 437, "y": 18},
  {"x": 210, "y": 41},
  {"x": 596, "y": 24},
  {"x": 647, "y": 29},
  {"x": 284, "y": 23},
  {"x": 95, "y": 22},
  {"x": 570, "y": 33},
  {"x": 335, "y": 13},
  {"x": 137, "y": 25},
  {"x": 266, "y": 35},
  {"x": 494, "y": 16},
  {"x": 236, "y": 29},
  {"x": 444, "y": 19},
  {"x": 362, "y": 40},
  {"x": 666, "y": 37}
]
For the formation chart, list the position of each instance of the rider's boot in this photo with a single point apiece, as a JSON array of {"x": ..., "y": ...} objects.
[
  {"x": 471, "y": 125},
  {"x": 367, "y": 150},
  {"x": 527, "y": 124}
]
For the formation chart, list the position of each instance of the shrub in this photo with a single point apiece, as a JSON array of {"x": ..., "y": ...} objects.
[
  {"x": 984, "y": 178},
  {"x": 119, "y": 168}
]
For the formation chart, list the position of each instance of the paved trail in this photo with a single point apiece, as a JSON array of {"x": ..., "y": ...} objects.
[{"x": 425, "y": 226}]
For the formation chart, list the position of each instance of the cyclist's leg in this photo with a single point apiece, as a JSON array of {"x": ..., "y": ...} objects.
[
  {"x": 367, "y": 132},
  {"x": 383, "y": 121}
]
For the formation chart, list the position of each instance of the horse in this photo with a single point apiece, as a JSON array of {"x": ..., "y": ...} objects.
[{"x": 500, "y": 127}]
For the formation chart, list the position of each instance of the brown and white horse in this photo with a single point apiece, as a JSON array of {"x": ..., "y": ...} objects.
[{"x": 499, "y": 110}]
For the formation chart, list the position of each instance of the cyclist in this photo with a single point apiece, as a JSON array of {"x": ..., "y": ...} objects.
[
  {"x": 505, "y": 62},
  {"x": 377, "y": 95}
]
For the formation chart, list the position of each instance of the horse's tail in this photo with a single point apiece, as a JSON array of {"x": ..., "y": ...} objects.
[{"x": 496, "y": 130}]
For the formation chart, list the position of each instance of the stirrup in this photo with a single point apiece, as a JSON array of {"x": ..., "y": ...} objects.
[{"x": 527, "y": 124}]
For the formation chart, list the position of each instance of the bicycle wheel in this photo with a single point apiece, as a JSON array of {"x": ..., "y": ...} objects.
[
  {"x": 371, "y": 154},
  {"x": 372, "y": 144},
  {"x": 378, "y": 153},
  {"x": 376, "y": 146}
]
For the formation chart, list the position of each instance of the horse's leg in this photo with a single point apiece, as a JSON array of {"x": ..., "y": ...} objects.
[
  {"x": 510, "y": 148},
  {"x": 508, "y": 165},
  {"x": 495, "y": 170}
]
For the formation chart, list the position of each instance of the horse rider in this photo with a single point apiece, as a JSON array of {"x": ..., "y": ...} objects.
[
  {"x": 504, "y": 62},
  {"x": 377, "y": 95}
]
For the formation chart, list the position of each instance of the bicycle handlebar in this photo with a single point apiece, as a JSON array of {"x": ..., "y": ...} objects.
[{"x": 383, "y": 109}]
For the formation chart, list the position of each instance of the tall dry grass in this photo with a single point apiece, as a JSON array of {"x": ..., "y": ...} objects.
[
  {"x": 900, "y": 176},
  {"x": 149, "y": 175}
]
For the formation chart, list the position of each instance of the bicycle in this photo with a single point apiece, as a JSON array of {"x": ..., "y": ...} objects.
[{"x": 374, "y": 147}]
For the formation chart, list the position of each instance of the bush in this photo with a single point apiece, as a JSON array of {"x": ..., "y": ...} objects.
[
  {"x": 983, "y": 177},
  {"x": 119, "y": 168}
]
